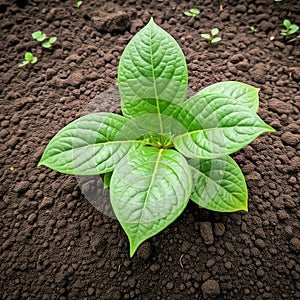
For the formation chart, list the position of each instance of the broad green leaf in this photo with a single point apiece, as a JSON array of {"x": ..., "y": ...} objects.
[
  {"x": 219, "y": 184},
  {"x": 244, "y": 94},
  {"x": 149, "y": 189},
  {"x": 221, "y": 127},
  {"x": 90, "y": 145},
  {"x": 152, "y": 73}
]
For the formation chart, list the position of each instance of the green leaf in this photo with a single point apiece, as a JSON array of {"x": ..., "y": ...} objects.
[
  {"x": 216, "y": 40},
  {"x": 152, "y": 73},
  {"x": 223, "y": 127},
  {"x": 34, "y": 60},
  {"x": 28, "y": 56},
  {"x": 187, "y": 13},
  {"x": 219, "y": 185},
  {"x": 214, "y": 31},
  {"x": 294, "y": 28},
  {"x": 39, "y": 36},
  {"x": 149, "y": 189},
  {"x": 52, "y": 40},
  {"x": 287, "y": 24},
  {"x": 46, "y": 44},
  {"x": 205, "y": 36},
  {"x": 90, "y": 145},
  {"x": 23, "y": 63},
  {"x": 194, "y": 11},
  {"x": 245, "y": 95}
]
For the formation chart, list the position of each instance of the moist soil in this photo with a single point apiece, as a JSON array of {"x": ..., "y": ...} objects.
[{"x": 56, "y": 245}]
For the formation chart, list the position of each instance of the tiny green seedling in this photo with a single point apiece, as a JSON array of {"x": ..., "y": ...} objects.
[
  {"x": 78, "y": 4},
  {"x": 212, "y": 38},
  {"x": 28, "y": 58},
  {"x": 289, "y": 28},
  {"x": 253, "y": 29},
  {"x": 193, "y": 12},
  {"x": 48, "y": 44},
  {"x": 39, "y": 36},
  {"x": 164, "y": 149}
]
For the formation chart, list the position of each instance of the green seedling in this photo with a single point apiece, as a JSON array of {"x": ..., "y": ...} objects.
[
  {"x": 48, "y": 44},
  {"x": 164, "y": 149},
  {"x": 28, "y": 58},
  {"x": 39, "y": 36},
  {"x": 212, "y": 38},
  {"x": 78, "y": 4},
  {"x": 289, "y": 28},
  {"x": 193, "y": 12},
  {"x": 253, "y": 29}
]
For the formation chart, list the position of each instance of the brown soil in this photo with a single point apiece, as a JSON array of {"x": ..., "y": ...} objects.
[{"x": 56, "y": 245}]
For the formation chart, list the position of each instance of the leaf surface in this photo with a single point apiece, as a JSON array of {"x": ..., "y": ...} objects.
[
  {"x": 152, "y": 73},
  {"x": 219, "y": 184},
  {"x": 149, "y": 190},
  {"x": 246, "y": 95},
  {"x": 90, "y": 145},
  {"x": 221, "y": 126}
]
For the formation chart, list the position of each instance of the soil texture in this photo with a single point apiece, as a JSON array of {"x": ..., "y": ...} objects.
[{"x": 55, "y": 244}]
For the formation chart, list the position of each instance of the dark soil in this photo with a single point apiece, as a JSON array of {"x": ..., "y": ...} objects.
[{"x": 56, "y": 245}]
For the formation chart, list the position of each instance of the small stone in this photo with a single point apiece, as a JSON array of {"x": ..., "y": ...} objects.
[
  {"x": 206, "y": 233},
  {"x": 47, "y": 202},
  {"x": 210, "y": 288},
  {"x": 90, "y": 291},
  {"x": 228, "y": 265},
  {"x": 136, "y": 25},
  {"x": 144, "y": 251},
  {"x": 260, "y": 272},
  {"x": 210, "y": 263},
  {"x": 21, "y": 187},
  {"x": 290, "y": 138},
  {"x": 280, "y": 106},
  {"x": 154, "y": 268},
  {"x": 32, "y": 217},
  {"x": 219, "y": 229},
  {"x": 295, "y": 245},
  {"x": 169, "y": 285},
  {"x": 260, "y": 243}
]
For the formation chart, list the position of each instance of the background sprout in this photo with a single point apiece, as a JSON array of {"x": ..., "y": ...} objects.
[
  {"x": 29, "y": 58},
  {"x": 289, "y": 28},
  {"x": 193, "y": 12},
  {"x": 48, "y": 44},
  {"x": 39, "y": 36},
  {"x": 78, "y": 4},
  {"x": 212, "y": 37}
]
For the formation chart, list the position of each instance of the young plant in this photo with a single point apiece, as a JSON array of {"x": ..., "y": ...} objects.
[
  {"x": 78, "y": 4},
  {"x": 28, "y": 58},
  {"x": 253, "y": 29},
  {"x": 289, "y": 28},
  {"x": 193, "y": 12},
  {"x": 48, "y": 44},
  {"x": 164, "y": 149},
  {"x": 212, "y": 38},
  {"x": 39, "y": 36}
]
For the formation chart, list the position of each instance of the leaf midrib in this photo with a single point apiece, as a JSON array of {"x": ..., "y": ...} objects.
[{"x": 154, "y": 84}]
